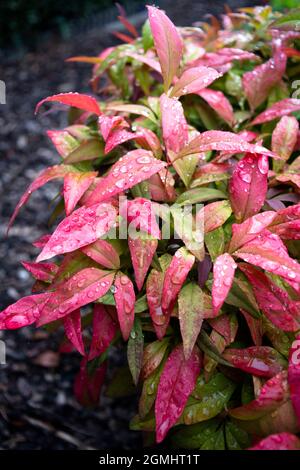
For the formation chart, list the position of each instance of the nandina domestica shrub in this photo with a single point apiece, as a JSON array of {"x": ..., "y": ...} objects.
[{"x": 178, "y": 232}]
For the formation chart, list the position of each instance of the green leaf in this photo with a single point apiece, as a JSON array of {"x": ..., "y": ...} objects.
[
  {"x": 215, "y": 242},
  {"x": 121, "y": 384},
  {"x": 207, "y": 346},
  {"x": 149, "y": 390},
  {"x": 143, "y": 424},
  {"x": 147, "y": 38},
  {"x": 141, "y": 304},
  {"x": 236, "y": 438},
  {"x": 191, "y": 311},
  {"x": 197, "y": 195},
  {"x": 135, "y": 349},
  {"x": 241, "y": 296},
  {"x": 288, "y": 22},
  {"x": 215, "y": 442},
  {"x": 194, "y": 436},
  {"x": 208, "y": 399}
]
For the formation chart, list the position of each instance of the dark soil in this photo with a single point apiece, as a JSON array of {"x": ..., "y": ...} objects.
[{"x": 37, "y": 408}]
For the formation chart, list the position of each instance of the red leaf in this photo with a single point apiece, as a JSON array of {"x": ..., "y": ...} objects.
[
  {"x": 76, "y": 100},
  {"x": 75, "y": 185},
  {"x": 261, "y": 361},
  {"x": 223, "y": 141},
  {"x": 24, "y": 312},
  {"x": 193, "y": 80},
  {"x": 103, "y": 253},
  {"x": 181, "y": 264},
  {"x": 41, "y": 241},
  {"x": 176, "y": 383},
  {"x": 285, "y": 136},
  {"x": 82, "y": 227},
  {"x": 277, "y": 110},
  {"x": 294, "y": 375},
  {"x": 219, "y": 103},
  {"x": 168, "y": 44},
  {"x": 142, "y": 250},
  {"x": 255, "y": 326},
  {"x": 88, "y": 384},
  {"x": 281, "y": 441},
  {"x": 104, "y": 330},
  {"x": 118, "y": 137},
  {"x": 125, "y": 300},
  {"x": 258, "y": 83},
  {"x": 226, "y": 325},
  {"x": 41, "y": 271},
  {"x": 161, "y": 186},
  {"x": 248, "y": 186},
  {"x": 286, "y": 223},
  {"x": 134, "y": 167},
  {"x": 268, "y": 252},
  {"x": 223, "y": 274},
  {"x": 82, "y": 288},
  {"x": 51, "y": 173},
  {"x": 72, "y": 324},
  {"x": 154, "y": 288},
  {"x": 248, "y": 230},
  {"x": 272, "y": 300},
  {"x": 271, "y": 396}
]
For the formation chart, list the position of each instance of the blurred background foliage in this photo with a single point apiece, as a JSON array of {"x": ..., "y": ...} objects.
[{"x": 23, "y": 21}]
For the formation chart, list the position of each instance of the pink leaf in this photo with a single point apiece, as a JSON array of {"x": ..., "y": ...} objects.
[
  {"x": 75, "y": 185},
  {"x": 161, "y": 186},
  {"x": 82, "y": 288},
  {"x": 219, "y": 103},
  {"x": 223, "y": 141},
  {"x": 248, "y": 186},
  {"x": 24, "y": 312},
  {"x": 129, "y": 170},
  {"x": 142, "y": 250},
  {"x": 271, "y": 396},
  {"x": 223, "y": 274},
  {"x": 125, "y": 300},
  {"x": 255, "y": 326},
  {"x": 168, "y": 44},
  {"x": 148, "y": 140},
  {"x": 72, "y": 324},
  {"x": 181, "y": 264},
  {"x": 154, "y": 289},
  {"x": 108, "y": 124},
  {"x": 258, "y": 83},
  {"x": 262, "y": 361},
  {"x": 284, "y": 137},
  {"x": 41, "y": 271},
  {"x": 76, "y": 100},
  {"x": 268, "y": 252},
  {"x": 140, "y": 213},
  {"x": 225, "y": 56},
  {"x": 286, "y": 223},
  {"x": 294, "y": 375},
  {"x": 248, "y": 230},
  {"x": 103, "y": 253},
  {"x": 144, "y": 59},
  {"x": 118, "y": 137},
  {"x": 51, "y": 173},
  {"x": 174, "y": 125},
  {"x": 281, "y": 441},
  {"x": 83, "y": 227},
  {"x": 88, "y": 384},
  {"x": 104, "y": 330},
  {"x": 193, "y": 80},
  {"x": 272, "y": 300},
  {"x": 176, "y": 383},
  {"x": 41, "y": 241},
  {"x": 277, "y": 110},
  {"x": 175, "y": 136}
]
